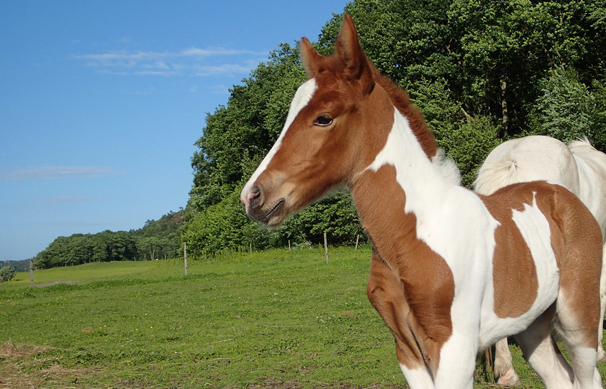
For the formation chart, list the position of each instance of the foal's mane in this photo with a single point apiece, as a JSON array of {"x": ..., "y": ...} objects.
[{"x": 401, "y": 101}]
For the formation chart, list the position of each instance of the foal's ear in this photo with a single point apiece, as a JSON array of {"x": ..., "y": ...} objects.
[
  {"x": 357, "y": 66},
  {"x": 310, "y": 58}
]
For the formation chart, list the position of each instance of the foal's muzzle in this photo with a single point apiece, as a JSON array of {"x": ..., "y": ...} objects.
[{"x": 260, "y": 210}]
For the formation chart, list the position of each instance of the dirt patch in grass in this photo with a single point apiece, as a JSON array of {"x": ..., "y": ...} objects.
[
  {"x": 11, "y": 351},
  {"x": 15, "y": 363},
  {"x": 13, "y": 377}
]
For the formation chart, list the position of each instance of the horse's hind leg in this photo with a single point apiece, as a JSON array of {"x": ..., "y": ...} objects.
[
  {"x": 543, "y": 354},
  {"x": 578, "y": 302},
  {"x": 580, "y": 341},
  {"x": 503, "y": 366},
  {"x": 601, "y": 353}
]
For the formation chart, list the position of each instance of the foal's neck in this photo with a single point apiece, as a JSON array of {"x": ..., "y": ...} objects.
[
  {"x": 421, "y": 180},
  {"x": 400, "y": 189}
]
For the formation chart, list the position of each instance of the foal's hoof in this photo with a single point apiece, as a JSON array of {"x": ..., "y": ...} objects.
[
  {"x": 510, "y": 379},
  {"x": 601, "y": 355}
]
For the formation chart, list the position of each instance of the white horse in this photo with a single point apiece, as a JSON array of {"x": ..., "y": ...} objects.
[{"x": 579, "y": 167}]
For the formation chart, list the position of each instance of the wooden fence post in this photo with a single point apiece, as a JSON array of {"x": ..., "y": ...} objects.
[
  {"x": 325, "y": 247},
  {"x": 31, "y": 274},
  {"x": 185, "y": 256},
  {"x": 357, "y": 240}
]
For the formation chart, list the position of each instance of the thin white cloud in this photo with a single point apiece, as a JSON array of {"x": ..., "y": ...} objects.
[
  {"x": 54, "y": 172},
  {"x": 205, "y": 71},
  {"x": 191, "y": 61},
  {"x": 155, "y": 73},
  {"x": 156, "y": 65},
  {"x": 121, "y": 57},
  {"x": 68, "y": 199},
  {"x": 214, "y": 52}
]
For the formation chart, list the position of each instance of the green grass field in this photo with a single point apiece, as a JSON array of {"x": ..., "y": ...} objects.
[{"x": 282, "y": 319}]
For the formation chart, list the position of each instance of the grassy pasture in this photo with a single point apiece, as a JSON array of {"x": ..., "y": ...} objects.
[{"x": 272, "y": 319}]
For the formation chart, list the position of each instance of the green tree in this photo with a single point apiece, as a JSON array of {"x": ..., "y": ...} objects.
[
  {"x": 221, "y": 226},
  {"x": 491, "y": 55},
  {"x": 157, "y": 239},
  {"x": 236, "y": 137},
  {"x": 569, "y": 110},
  {"x": 336, "y": 215},
  {"x": 478, "y": 69},
  {"x": 160, "y": 238},
  {"x": 7, "y": 273},
  {"x": 78, "y": 249}
]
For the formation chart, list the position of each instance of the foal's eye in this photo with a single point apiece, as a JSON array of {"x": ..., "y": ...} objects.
[{"x": 324, "y": 120}]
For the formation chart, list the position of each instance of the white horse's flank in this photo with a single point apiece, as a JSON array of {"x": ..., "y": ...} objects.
[{"x": 578, "y": 167}]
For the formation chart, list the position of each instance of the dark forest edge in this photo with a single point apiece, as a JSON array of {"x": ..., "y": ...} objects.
[{"x": 156, "y": 239}]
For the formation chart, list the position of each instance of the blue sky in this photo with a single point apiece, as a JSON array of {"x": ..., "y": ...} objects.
[{"x": 102, "y": 101}]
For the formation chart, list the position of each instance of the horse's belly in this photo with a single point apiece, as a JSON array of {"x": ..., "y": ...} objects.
[{"x": 494, "y": 328}]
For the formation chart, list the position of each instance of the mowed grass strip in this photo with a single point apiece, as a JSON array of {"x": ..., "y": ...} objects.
[{"x": 277, "y": 318}]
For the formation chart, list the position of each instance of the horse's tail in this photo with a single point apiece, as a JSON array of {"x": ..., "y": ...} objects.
[
  {"x": 591, "y": 166},
  {"x": 581, "y": 147},
  {"x": 590, "y": 162},
  {"x": 495, "y": 175}
]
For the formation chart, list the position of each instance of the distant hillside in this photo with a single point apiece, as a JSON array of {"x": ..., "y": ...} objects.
[
  {"x": 156, "y": 239},
  {"x": 19, "y": 266},
  {"x": 160, "y": 238}
]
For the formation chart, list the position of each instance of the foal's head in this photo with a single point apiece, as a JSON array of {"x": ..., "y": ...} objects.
[{"x": 338, "y": 121}]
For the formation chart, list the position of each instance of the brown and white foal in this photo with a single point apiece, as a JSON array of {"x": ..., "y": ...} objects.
[{"x": 451, "y": 272}]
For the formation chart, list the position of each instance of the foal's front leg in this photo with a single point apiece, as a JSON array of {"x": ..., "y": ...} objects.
[
  {"x": 455, "y": 371},
  {"x": 457, "y": 362},
  {"x": 426, "y": 364},
  {"x": 418, "y": 378},
  {"x": 386, "y": 294}
]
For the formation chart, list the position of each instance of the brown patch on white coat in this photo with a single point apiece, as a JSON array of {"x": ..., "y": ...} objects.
[{"x": 571, "y": 241}]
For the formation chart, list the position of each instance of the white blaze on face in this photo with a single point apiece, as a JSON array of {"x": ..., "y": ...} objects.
[{"x": 301, "y": 99}]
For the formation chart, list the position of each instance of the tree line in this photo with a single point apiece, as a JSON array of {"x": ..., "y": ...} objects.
[
  {"x": 481, "y": 72},
  {"x": 156, "y": 239}
]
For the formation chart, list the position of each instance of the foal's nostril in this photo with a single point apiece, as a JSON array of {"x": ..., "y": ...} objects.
[
  {"x": 254, "y": 193},
  {"x": 254, "y": 197}
]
